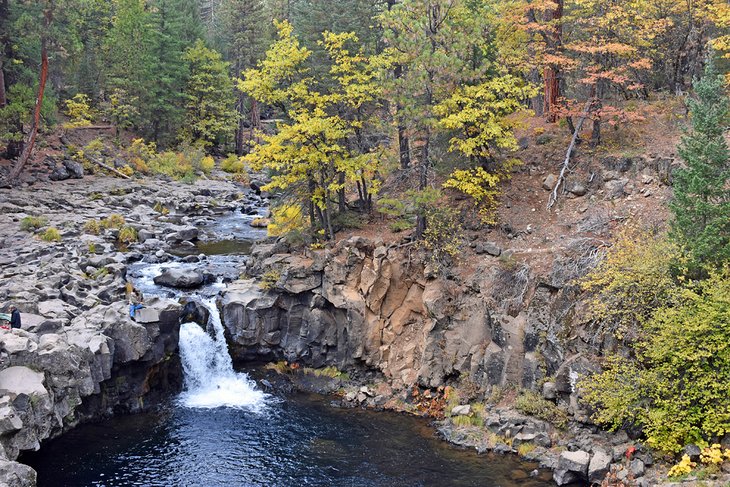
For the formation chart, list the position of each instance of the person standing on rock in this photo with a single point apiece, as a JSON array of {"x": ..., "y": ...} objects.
[{"x": 14, "y": 317}]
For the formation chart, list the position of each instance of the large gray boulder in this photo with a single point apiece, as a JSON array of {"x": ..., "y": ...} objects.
[
  {"x": 22, "y": 380},
  {"x": 180, "y": 278},
  {"x": 15, "y": 474},
  {"x": 183, "y": 234},
  {"x": 598, "y": 467},
  {"x": 74, "y": 169},
  {"x": 572, "y": 467}
]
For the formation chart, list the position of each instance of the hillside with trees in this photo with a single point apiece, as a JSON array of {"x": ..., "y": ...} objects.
[{"x": 436, "y": 125}]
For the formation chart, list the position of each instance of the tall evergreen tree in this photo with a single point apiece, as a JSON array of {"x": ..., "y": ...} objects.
[
  {"x": 209, "y": 114},
  {"x": 701, "y": 203},
  {"x": 176, "y": 26},
  {"x": 245, "y": 36},
  {"x": 128, "y": 57}
]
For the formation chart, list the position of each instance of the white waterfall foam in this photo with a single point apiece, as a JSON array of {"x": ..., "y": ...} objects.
[{"x": 210, "y": 380}]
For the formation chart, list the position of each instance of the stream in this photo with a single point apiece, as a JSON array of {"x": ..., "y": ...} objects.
[{"x": 223, "y": 429}]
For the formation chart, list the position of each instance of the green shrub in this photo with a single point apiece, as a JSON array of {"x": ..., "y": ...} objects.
[
  {"x": 207, "y": 164},
  {"x": 100, "y": 273},
  {"x": 160, "y": 208},
  {"x": 676, "y": 388},
  {"x": 525, "y": 449},
  {"x": 533, "y": 404},
  {"x": 78, "y": 110},
  {"x": 390, "y": 207},
  {"x": 269, "y": 279},
  {"x": 634, "y": 279},
  {"x": 400, "y": 225},
  {"x": 93, "y": 227},
  {"x": 443, "y": 235},
  {"x": 115, "y": 220},
  {"x": 331, "y": 372},
  {"x": 470, "y": 420},
  {"x": 33, "y": 223},
  {"x": 51, "y": 235},
  {"x": 233, "y": 164},
  {"x": 348, "y": 219},
  {"x": 127, "y": 235}
]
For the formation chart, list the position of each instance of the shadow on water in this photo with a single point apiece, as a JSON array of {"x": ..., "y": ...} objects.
[
  {"x": 297, "y": 442},
  {"x": 217, "y": 247}
]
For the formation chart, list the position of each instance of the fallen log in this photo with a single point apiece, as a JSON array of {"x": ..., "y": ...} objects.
[{"x": 109, "y": 168}]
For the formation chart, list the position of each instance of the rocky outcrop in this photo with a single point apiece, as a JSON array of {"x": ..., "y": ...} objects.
[
  {"x": 79, "y": 355},
  {"x": 101, "y": 363},
  {"x": 364, "y": 304}
]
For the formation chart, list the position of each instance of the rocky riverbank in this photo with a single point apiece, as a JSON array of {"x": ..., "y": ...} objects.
[
  {"x": 79, "y": 356},
  {"x": 369, "y": 323},
  {"x": 496, "y": 344},
  {"x": 492, "y": 348}
]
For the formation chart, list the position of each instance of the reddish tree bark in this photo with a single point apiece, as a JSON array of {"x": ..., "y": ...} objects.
[
  {"x": 30, "y": 142},
  {"x": 552, "y": 73},
  {"x": 3, "y": 98}
]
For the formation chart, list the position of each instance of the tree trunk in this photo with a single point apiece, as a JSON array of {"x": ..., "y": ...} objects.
[
  {"x": 3, "y": 98},
  {"x": 240, "y": 127},
  {"x": 422, "y": 183},
  {"x": 596, "y": 133},
  {"x": 255, "y": 119},
  {"x": 28, "y": 149},
  {"x": 403, "y": 145},
  {"x": 551, "y": 93},
  {"x": 341, "y": 201},
  {"x": 4, "y": 48},
  {"x": 552, "y": 73}
]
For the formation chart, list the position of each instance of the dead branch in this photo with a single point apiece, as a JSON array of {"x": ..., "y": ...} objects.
[
  {"x": 109, "y": 168},
  {"x": 554, "y": 195},
  {"x": 91, "y": 127}
]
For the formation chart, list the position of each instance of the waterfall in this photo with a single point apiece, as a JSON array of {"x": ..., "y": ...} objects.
[{"x": 210, "y": 380}]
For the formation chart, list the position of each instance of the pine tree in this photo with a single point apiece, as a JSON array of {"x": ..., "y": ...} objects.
[
  {"x": 209, "y": 115},
  {"x": 128, "y": 59},
  {"x": 244, "y": 38},
  {"x": 701, "y": 203},
  {"x": 176, "y": 26}
]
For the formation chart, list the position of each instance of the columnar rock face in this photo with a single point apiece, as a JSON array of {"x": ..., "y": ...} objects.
[{"x": 364, "y": 304}]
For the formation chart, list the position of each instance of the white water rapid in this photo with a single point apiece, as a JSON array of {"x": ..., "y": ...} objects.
[{"x": 210, "y": 380}]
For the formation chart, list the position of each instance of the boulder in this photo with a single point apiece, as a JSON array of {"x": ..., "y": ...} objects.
[
  {"x": 548, "y": 390},
  {"x": 147, "y": 315},
  {"x": 59, "y": 173},
  {"x": 144, "y": 235},
  {"x": 22, "y": 380},
  {"x": 464, "y": 410},
  {"x": 572, "y": 467},
  {"x": 74, "y": 169},
  {"x": 15, "y": 474},
  {"x": 549, "y": 182},
  {"x": 180, "y": 278},
  {"x": 9, "y": 421},
  {"x": 489, "y": 248},
  {"x": 183, "y": 234},
  {"x": 637, "y": 467},
  {"x": 194, "y": 312},
  {"x": 598, "y": 467},
  {"x": 578, "y": 189}
]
